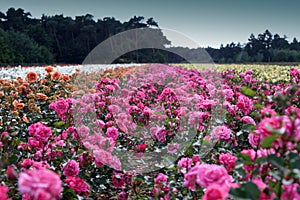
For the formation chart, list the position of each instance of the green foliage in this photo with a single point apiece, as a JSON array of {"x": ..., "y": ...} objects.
[
  {"x": 247, "y": 190},
  {"x": 62, "y": 39},
  {"x": 247, "y": 91},
  {"x": 18, "y": 48},
  {"x": 268, "y": 141}
]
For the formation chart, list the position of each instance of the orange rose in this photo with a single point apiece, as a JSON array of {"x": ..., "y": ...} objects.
[
  {"x": 18, "y": 104},
  {"x": 20, "y": 80},
  {"x": 49, "y": 69},
  {"x": 14, "y": 94},
  {"x": 43, "y": 81},
  {"x": 25, "y": 119},
  {"x": 91, "y": 91},
  {"x": 66, "y": 77},
  {"x": 55, "y": 76},
  {"x": 7, "y": 83},
  {"x": 21, "y": 88},
  {"x": 32, "y": 77},
  {"x": 41, "y": 96}
]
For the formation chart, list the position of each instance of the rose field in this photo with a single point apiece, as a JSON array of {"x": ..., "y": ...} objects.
[{"x": 154, "y": 131}]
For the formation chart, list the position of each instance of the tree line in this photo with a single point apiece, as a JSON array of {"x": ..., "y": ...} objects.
[
  {"x": 58, "y": 38},
  {"x": 266, "y": 47},
  {"x": 63, "y": 39}
]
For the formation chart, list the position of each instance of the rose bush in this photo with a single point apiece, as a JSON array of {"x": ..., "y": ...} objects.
[{"x": 51, "y": 148}]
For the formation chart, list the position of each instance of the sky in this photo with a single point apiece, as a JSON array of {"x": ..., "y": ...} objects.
[{"x": 205, "y": 22}]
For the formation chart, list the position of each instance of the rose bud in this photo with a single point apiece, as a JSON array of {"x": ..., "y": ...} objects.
[{"x": 11, "y": 173}]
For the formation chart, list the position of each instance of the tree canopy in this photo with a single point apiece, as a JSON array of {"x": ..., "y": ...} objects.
[{"x": 62, "y": 39}]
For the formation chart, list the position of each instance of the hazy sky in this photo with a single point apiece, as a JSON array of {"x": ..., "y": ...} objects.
[{"x": 207, "y": 22}]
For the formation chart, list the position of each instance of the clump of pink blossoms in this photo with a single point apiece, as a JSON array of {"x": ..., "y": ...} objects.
[
  {"x": 40, "y": 184},
  {"x": 71, "y": 168}
]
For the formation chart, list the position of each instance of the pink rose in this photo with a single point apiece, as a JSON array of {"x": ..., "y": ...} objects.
[
  {"x": 71, "y": 168},
  {"x": 109, "y": 88},
  {"x": 112, "y": 132},
  {"x": 83, "y": 131},
  {"x": 216, "y": 192},
  {"x": 32, "y": 142},
  {"x": 228, "y": 160},
  {"x": 248, "y": 120},
  {"x": 161, "y": 135},
  {"x": 118, "y": 180},
  {"x": 290, "y": 192},
  {"x": 41, "y": 165},
  {"x": 196, "y": 159},
  {"x": 245, "y": 104},
  {"x": 294, "y": 72},
  {"x": 60, "y": 106},
  {"x": 160, "y": 178},
  {"x": 248, "y": 78},
  {"x": 3, "y": 192},
  {"x": 260, "y": 184},
  {"x": 115, "y": 163},
  {"x": 190, "y": 178},
  {"x": 78, "y": 185},
  {"x": 267, "y": 112},
  {"x": 279, "y": 123},
  {"x": 250, "y": 152},
  {"x": 140, "y": 147},
  {"x": 297, "y": 129},
  {"x": 161, "y": 181},
  {"x": 221, "y": 133},
  {"x": 102, "y": 157},
  {"x": 228, "y": 94},
  {"x": 253, "y": 139},
  {"x": 114, "y": 109},
  {"x": 122, "y": 196},
  {"x": 173, "y": 148},
  {"x": 212, "y": 174},
  {"x": 11, "y": 173},
  {"x": 106, "y": 158},
  {"x": 27, "y": 163},
  {"x": 40, "y": 183},
  {"x": 185, "y": 163},
  {"x": 40, "y": 131}
]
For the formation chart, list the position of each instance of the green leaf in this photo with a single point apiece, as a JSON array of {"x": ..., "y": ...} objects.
[
  {"x": 13, "y": 159},
  {"x": 59, "y": 124},
  {"x": 69, "y": 194},
  {"x": 246, "y": 191},
  {"x": 277, "y": 162},
  {"x": 247, "y": 91},
  {"x": 246, "y": 159},
  {"x": 241, "y": 172},
  {"x": 252, "y": 190},
  {"x": 248, "y": 127},
  {"x": 268, "y": 141},
  {"x": 261, "y": 160},
  {"x": 79, "y": 151},
  {"x": 258, "y": 105},
  {"x": 276, "y": 186},
  {"x": 16, "y": 142},
  {"x": 294, "y": 159}
]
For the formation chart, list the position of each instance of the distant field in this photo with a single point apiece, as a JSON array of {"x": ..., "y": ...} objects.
[{"x": 262, "y": 72}]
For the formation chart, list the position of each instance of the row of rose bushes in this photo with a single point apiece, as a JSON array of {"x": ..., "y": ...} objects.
[
  {"x": 51, "y": 148},
  {"x": 270, "y": 73}
]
